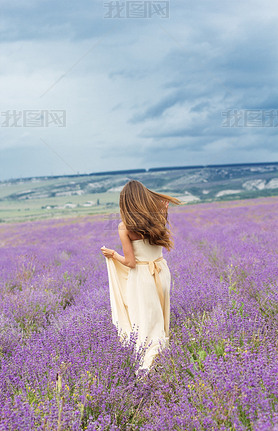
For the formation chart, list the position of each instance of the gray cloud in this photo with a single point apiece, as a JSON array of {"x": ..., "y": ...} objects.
[{"x": 151, "y": 89}]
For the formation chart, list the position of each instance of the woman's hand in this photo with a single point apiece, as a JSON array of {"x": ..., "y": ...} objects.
[{"x": 107, "y": 252}]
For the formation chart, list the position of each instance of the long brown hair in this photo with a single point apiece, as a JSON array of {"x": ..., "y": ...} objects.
[{"x": 143, "y": 212}]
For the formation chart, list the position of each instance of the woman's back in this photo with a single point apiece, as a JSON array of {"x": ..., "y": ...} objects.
[{"x": 143, "y": 250}]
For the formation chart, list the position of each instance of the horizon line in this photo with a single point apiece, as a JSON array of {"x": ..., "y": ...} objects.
[{"x": 142, "y": 170}]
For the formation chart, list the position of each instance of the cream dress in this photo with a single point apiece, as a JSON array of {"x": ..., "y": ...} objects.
[{"x": 140, "y": 298}]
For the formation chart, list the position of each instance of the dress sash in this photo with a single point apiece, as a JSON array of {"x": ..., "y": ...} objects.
[{"x": 155, "y": 268}]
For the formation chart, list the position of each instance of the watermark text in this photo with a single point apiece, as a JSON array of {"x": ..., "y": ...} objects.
[
  {"x": 136, "y": 9},
  {"x": 33, "y": 118},
  {"x": 250, "y": 118}
]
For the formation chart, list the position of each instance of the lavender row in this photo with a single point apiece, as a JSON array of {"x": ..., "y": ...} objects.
[{"x": 62, "y": 365}]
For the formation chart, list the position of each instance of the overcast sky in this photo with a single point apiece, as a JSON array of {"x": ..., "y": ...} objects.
[{"x": 149, "y": 88}]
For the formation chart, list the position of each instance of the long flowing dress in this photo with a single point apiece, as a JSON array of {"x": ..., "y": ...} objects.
[{"x": 140, "y": 298}]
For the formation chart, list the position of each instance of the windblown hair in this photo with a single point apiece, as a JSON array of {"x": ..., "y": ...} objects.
[{"x": 144, "y": 213}]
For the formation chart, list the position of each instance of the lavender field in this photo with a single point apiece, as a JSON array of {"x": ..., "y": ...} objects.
[{"x": 62, "y": 366}]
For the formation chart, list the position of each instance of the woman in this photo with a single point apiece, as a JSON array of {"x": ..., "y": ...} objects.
[{"x": 139, "y": 281}]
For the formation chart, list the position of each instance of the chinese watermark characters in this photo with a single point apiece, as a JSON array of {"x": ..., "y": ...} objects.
[
  {"x": 250, "y": 118},
  {"x": 137, "y": 9},
  {"x": 33, "y": 118}
]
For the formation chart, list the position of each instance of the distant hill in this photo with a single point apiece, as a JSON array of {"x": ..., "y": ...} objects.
[{"x": 99, "y": 191}]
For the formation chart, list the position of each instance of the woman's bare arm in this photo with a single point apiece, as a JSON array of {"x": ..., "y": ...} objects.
[{"x": 128, "y": 259}]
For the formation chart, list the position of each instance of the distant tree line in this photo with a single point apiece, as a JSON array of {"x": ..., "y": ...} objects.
[{"x": 166, "y": 168}]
